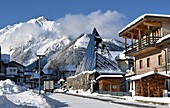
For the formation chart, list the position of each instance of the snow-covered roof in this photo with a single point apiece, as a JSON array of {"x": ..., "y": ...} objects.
[
  {"x": 27, "y": 73},
  {"x": 61, "y": 80},
  {"x": 142, "y": 17},
  {"x": 48, "y": 71},
  {"x": 136, "y": 77},
  {"x": 122, "y": 56},
  {"x": 163, "y": 38},
  {"x": 109, "y": 76}
]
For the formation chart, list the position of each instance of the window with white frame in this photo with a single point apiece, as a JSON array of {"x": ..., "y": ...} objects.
[{"x": 12, "y": 70}]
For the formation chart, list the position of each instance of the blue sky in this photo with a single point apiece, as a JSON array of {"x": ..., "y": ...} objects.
[{"x": 15, "y": 11}]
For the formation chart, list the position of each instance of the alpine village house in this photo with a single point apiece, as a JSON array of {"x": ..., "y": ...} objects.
[{"x": 149, "y": 38}]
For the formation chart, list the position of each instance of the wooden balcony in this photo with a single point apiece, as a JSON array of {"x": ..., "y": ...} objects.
[{"x": 142, "y": 44}]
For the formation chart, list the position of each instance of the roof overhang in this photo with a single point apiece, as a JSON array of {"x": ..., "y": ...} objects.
[
  {"x": 143, "y": 23},
  {"x": 138, "y": 77},
  {"x": 109, "y": 76}
]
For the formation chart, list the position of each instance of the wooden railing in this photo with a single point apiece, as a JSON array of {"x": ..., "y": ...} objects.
[{"x": 142, "y": 44}]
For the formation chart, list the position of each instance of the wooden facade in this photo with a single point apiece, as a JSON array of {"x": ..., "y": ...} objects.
[
  {"x": 150, "y": 86},
  {"x": 109, "y": 83}
]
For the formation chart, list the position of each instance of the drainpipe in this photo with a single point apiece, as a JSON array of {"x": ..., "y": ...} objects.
[
  {"x": 135, "y": 66},
  {"x": 166, "y": 66}
]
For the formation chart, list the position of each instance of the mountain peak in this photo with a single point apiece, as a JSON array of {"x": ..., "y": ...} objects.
[
  {"x": 39, "y": 19},
  {"x": 42, "y": 18}
]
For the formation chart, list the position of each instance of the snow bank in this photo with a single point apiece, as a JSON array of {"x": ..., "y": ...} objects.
[
  {"x": 9, "y": 87},
  {"x": 14, "y": 96},
  {"x": 29, "y": 98}
]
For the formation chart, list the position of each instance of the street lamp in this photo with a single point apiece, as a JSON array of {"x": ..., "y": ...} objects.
[{"x": 39, "y": 70}]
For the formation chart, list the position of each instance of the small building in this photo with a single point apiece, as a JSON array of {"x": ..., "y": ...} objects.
[
  {"x": 15, "y": 72},
  {"x": 146, "y": 85},
  {"x": 109, "y": 82},
  {"x": 28, "y": 80}
]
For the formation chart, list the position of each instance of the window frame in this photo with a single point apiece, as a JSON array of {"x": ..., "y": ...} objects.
[
  {"x": 140, "y": 64},
  {"x": 159, "y": 60},
  {"x": 148, "y": 62}
]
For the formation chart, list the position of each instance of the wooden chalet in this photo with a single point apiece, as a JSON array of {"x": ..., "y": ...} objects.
[
  {"x": 150, "y": 45},
  {"x": 109, "y": 82},
  {"x": 15, "y": 72}
]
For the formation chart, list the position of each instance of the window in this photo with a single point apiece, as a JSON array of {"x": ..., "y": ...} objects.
[
  {"x": 11, "y": 70},
  {"x": 114, "y": 87},
  {"x": 148, "y": 62},
  {"x": 137, "y": 88},
  {"x": 168, "y": 84},
  {"x": 106, "y": 87},
  {"x": 159, "y": 59},
  {"x": 140, "y": 63}
]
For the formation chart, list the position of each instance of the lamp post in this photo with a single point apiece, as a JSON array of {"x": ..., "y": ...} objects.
[{"x": 39, "y": 70}]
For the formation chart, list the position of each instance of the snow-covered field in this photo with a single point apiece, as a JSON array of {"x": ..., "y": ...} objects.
[{"x": 14, "y": 96}]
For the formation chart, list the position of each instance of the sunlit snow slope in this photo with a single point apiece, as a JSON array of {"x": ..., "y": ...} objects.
[{"x": 24, "y": 40}]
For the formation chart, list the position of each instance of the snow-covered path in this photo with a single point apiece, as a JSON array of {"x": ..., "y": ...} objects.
[{"x": 68, "y": 101}]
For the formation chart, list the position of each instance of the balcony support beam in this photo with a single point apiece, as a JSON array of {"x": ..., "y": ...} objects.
[{"x": 153, "y": 24}]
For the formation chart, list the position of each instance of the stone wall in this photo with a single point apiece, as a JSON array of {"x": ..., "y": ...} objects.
[{"x": 81, "y": 81}]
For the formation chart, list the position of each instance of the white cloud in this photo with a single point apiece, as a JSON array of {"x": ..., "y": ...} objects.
[{"x": 107, "y": 23}]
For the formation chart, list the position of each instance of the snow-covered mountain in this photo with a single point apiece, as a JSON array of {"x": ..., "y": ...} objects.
[
  {"x": 24, "y": 40},
  {"x": 74, "y": 52}
]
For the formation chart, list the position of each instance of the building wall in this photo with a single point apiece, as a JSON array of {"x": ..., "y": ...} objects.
[
  {"x": 81, "y": 81},
  {"x": 123, "y": 65},
  {"x": 109, "y": 84},
  {"x": 153, "y": 62},
  {"x": 150, "y": 86},
  {"x": 2, "y": 71},
  {"x": 166, "y": 28}
]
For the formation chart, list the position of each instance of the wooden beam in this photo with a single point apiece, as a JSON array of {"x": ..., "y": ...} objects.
[
  {"x": 154, "y": 24},
  {"x": 141, "y": 28},
  {"x": 132, "y": 38},
  {"x": 139, "y": 34}
]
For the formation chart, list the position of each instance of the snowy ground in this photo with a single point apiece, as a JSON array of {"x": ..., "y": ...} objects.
[{"x": 13, "y": 96}]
